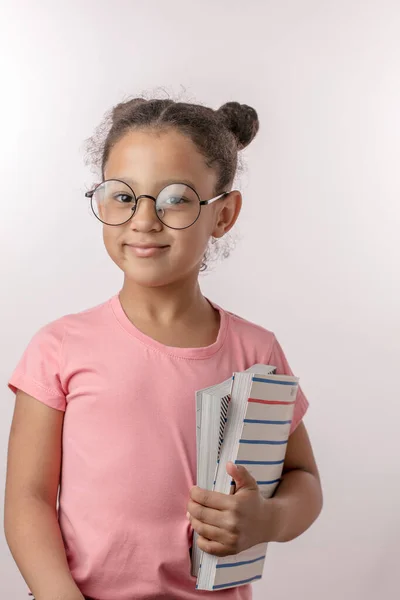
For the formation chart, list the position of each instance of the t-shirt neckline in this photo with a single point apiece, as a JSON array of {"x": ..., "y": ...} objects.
[{"x": 190, "y": 353}]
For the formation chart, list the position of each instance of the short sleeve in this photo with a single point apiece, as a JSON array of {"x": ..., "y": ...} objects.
[
  {"x": 38, "y": 372},
  {"x": 279, "y": 360}
]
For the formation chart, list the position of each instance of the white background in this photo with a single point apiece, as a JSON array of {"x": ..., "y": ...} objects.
[{"x": 318, "y": 260}]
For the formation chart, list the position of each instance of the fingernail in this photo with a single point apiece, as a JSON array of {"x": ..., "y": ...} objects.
[{"x": 188, "y": 515}]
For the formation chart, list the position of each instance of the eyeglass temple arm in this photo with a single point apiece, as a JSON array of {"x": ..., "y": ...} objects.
[
  {"x": 89, "y": 194},
  {"x": 206, "y": 202}
]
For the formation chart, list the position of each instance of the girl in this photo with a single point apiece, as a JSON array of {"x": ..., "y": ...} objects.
[{"x": 105, "y": 411}]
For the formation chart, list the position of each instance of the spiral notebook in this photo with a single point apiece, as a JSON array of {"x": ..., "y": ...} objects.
[{"x": 245, "y": 420}]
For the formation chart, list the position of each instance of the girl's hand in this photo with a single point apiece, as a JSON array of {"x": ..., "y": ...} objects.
[{"x": 228, "y": 524}]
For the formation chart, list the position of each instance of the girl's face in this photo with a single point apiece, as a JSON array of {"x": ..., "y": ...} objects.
[{"x": 148, "y": 161}]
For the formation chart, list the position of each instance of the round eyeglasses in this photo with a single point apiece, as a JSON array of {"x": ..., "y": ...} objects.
[{"x": 177, "y": 206}]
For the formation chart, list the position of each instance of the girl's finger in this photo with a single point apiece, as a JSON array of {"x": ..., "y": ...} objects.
[
  {"x": 214, "y": 548},
  {"x": 210, "y": 516},
  {"x": 212, "y": 533}
]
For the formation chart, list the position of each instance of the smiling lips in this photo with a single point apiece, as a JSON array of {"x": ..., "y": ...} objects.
[{"x": 147, "y": 250}]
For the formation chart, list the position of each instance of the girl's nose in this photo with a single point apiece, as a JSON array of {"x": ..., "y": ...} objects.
[{"x": 145, "y": 218}]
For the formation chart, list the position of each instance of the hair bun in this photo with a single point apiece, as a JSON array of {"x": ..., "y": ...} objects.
[{"x": 241, "y": 120}]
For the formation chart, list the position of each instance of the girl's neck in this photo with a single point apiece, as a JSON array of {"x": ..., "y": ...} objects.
[
  {"x": 165, "y": 304},
  {"x": 177, "y": 315}
]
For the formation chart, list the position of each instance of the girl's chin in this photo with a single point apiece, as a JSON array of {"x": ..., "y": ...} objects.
[{"x": 145, "y": 274}]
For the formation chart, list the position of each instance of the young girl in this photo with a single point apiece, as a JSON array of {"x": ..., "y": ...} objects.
[{"x": 105, "y": 410}]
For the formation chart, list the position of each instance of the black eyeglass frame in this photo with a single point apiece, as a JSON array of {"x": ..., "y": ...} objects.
[{"x": 91, "y": 193}]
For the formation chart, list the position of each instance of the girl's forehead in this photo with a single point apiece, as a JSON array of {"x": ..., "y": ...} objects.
[
  {"x": 146, "y": 155},
  {"x": 161, "y": 147}
]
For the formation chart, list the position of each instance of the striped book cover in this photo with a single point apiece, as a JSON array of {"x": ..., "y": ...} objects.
[{"x": 255, "y": 435}]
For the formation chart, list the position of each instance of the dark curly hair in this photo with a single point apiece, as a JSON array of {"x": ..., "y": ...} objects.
[{"x": 217, "y": 134}]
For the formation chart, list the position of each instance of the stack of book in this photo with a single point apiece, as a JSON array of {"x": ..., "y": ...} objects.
[{"x": 245, "y": 420}]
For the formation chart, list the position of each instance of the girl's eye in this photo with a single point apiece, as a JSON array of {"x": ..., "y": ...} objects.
[
  {"x": 123, "y": 198},
  {"x": 175, "y": 200}
]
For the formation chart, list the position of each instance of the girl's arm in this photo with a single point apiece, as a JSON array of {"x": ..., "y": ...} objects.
[
  {"x": 298, "y": 499},
  {"x": 30, "y": 519}
]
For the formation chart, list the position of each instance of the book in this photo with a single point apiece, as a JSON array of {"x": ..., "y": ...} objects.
[{"x": 245, "y": 420}]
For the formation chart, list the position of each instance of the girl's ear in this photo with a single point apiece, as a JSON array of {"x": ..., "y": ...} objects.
[{"x": 227, "y": 214}]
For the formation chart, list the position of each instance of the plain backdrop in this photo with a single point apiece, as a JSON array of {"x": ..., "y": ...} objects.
[{"x": 317, "y": 259}]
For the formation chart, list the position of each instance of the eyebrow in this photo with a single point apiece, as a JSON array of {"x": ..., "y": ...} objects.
[{"x": 161, "y": 184}]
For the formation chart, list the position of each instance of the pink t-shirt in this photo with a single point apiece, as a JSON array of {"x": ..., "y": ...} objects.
[{"x": 129, "y": 443}]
